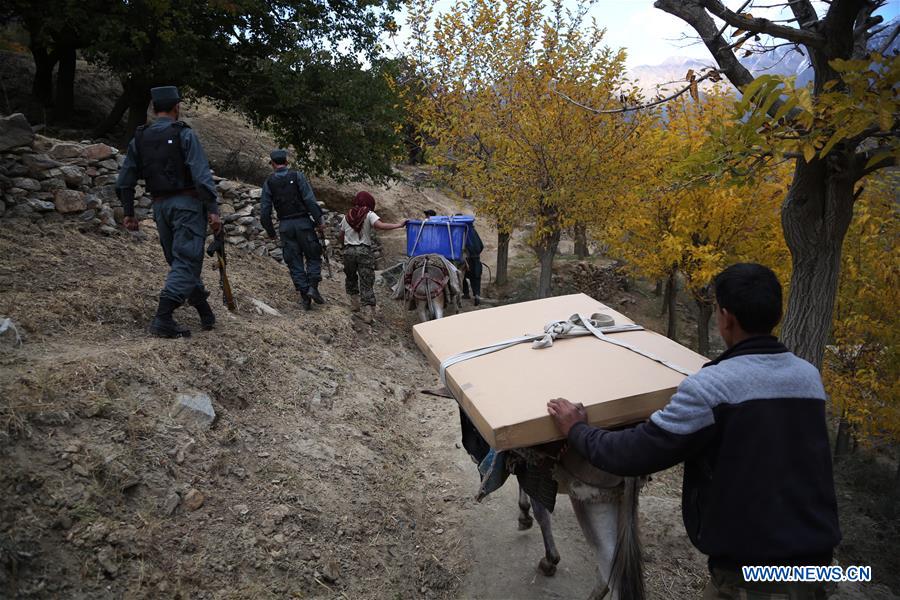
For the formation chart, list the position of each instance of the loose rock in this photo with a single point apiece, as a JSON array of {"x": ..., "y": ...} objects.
[
  {"x": 61, "y": 151},
  {"x": 170, "y": 503},
  {"x": 107, "y": 559},
  {"x": 27, "y": 184},
  {"x": 194, "y": 499},
  {"x": 332, "y": 571},
  {"x": 194, "y": 409},
  {"x": 98, "y": 152},
  {"x": 15, "y": 131},
  {"x": 39, "y": 205},
  {"x": 70, "y": 201}
]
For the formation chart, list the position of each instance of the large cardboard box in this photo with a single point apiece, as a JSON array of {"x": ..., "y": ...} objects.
[{"x": 505, "y": 393}]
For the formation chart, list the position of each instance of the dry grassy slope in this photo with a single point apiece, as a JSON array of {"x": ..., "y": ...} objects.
[{"x": 297, "y": 484}]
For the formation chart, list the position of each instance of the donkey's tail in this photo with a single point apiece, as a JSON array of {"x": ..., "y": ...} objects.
[{"x": 627, "y": 574}]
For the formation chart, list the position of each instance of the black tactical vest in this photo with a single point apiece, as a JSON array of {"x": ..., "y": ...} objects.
[
  {"x": 286, "y": 196},
  {"x": 162, "y": 159}
]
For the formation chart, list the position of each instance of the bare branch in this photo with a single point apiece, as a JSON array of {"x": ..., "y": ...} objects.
[
  {"x": 696, "y": 16},
  {"x": 711, "y": 74},
  {"x": 864, "y": 22},
  {"x": 861, "y": 159},
  {"x": 741, "y": 9},
  {"x": 693, "y": 13},
  {"x": 805, "y": 13},
  {"x": 758, "y": 25},
  {"x": 890, "y": 40}
]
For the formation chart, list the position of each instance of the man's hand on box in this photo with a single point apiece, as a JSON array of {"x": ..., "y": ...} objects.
[{"x": 565, "y": 414}]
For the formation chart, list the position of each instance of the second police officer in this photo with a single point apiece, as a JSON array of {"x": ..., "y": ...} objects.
[{"x": 299, "y": 217}]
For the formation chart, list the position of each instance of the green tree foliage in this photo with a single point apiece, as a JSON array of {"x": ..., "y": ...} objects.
[
  {"x": 311, "y": 71},
  {"x": 339, "y": 117},
  {"x": 56, "y": 30}
]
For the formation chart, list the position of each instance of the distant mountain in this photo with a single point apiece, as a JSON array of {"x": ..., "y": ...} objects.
[
  {"x": 781, "y": 61},
  {"x": 658, "y": 78},
  {"x": 669, "y": 74}
]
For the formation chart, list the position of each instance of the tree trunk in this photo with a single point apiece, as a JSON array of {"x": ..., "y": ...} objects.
[
  {"x": 897, "y": 479},
  {"x": 581, "y": 244},
  {"x": 546, "y": 251},
  {"x": 670, "y": 299},
  {"x": 815, "y": 218},
  {"x": 114, "y": 116},
  {"x": 42, "y": 85},
  {"x": 844, "y": 439},
  {"x": 134, "y": 99},
  {"x": 138, "y": 99},
  {"x": 705, "y": 310},
  {"x": 502, "y": 258},
  {"x": 65, "y": 84}
]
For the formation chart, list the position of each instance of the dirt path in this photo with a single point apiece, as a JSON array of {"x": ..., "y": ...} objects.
[
  {"x": 326, "y": 473},
  {"x": 502, "y": 561}
]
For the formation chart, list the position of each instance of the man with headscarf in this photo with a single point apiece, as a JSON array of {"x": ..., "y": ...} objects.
[
  {"x": 168, "y": 156},
  {"x": 299, "y": 216},
  {"x": 359, "y": 259}
]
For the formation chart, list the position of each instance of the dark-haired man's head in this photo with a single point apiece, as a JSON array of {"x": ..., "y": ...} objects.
[{"x": 748, "y": 299}]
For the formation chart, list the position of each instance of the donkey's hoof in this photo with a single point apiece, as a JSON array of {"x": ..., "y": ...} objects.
[
  {"x": 525, "y": 523},
  {"x": 547, "y": 567}
]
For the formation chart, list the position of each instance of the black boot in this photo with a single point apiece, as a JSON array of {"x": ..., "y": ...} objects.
[
  {"x": 163, "y": 325},
  {"x": 305, "y": 301},
  {"x": 207, "y": 317},
  {"x": 315, "y": 295}
]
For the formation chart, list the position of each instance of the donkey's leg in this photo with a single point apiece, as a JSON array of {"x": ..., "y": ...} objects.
[
  {"x": 599, "y": 522},
  {"x": 525, "y": 520},
  {"x": 438, "y": 306},
  {"x": 551, "y": 556},
  {"x": 422, "y": 311}
]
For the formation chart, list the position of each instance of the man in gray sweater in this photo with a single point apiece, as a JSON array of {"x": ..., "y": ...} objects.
[{"x": 750, "y": 428}]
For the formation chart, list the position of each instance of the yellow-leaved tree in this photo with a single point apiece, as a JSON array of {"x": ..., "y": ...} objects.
[
  {"x": 862, "y": 365},
  {"x": 836, "y": 131},
  {"x": 676, "y": 223},
  {"x": 525, "y": 155}
]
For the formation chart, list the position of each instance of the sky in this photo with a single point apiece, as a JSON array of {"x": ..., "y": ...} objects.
[
  {"x": 651, "y": 35},
  {"x": 660, "y": 34}
]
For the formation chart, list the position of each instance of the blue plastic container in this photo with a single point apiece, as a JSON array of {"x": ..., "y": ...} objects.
[{"x": 438, "y": 235}]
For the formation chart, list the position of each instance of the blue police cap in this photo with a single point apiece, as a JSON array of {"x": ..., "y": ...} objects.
[
  {"x": 167, "y": 94},
  {"x": 278, "y": 156}
]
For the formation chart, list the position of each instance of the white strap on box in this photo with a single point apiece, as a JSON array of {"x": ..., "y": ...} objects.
[{"x": 575, "y": 326}]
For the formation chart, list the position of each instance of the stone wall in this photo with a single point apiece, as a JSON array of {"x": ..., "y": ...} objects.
[{"x": 46, "y": 180}]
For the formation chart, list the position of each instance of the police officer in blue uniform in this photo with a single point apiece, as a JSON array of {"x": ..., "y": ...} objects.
[
  {"x": 299, "y": 216},
  {"x": 167, "y": 154}
]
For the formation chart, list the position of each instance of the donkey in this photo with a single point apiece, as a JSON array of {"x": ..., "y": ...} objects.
[
  {"x": 429, "y": 286},
  {"x": 606, "y": 507}
]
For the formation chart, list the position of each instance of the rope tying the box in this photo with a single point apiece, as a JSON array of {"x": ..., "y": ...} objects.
[{"x": 599, "y": 325}]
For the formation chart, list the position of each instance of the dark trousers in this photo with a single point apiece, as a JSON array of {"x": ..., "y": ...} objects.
[
  {"x": 181, "y": 223},
  {"x": 473, "y": 275},
  {"x": 302, "y": 252},
  {"x": 359, "y": 271},
  {"x": 730, "y": 585}
]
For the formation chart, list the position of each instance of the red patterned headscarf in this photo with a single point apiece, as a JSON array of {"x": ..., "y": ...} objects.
[{"x": 363, "y": 202}]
